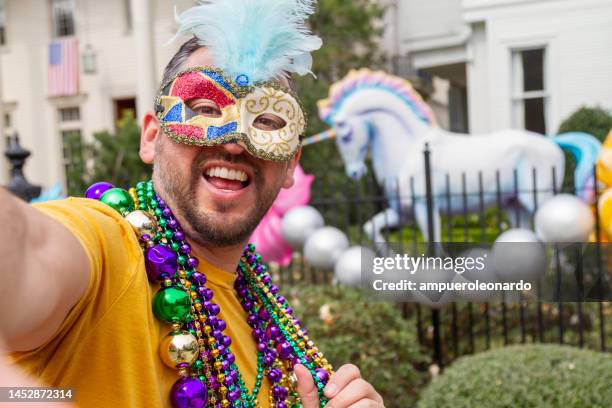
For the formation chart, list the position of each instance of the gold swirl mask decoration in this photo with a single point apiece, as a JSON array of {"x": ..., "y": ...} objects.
[{"x": 270, "y": 100}]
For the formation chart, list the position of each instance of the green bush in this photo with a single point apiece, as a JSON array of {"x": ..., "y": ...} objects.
[
  {"x": 372, "y": 335},
  {"x": 538, "y": 376},
  {"x": 595, "y": 121},
  {"x": 111, "y": 157},
  {"x": 115, "y": 156}
]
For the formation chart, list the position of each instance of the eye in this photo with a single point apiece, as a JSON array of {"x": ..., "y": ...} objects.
[
  {"x": 205, "y": 107},
  {"x": 343, "y": 132},
  {"x": 269, "y": 122},
  {"x": 346, "y": 138}
]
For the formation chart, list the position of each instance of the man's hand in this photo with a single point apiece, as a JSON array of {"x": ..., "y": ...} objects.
[{"x": 345, "y": 389}]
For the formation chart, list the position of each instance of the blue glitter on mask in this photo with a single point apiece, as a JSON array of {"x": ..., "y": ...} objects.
[
  {"x": 218, "y": 131},
  {"x": 219, "y": 79},
  {"x": 175, "y": 114}
]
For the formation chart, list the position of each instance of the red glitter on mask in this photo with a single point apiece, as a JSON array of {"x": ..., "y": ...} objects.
[
  {"x": 192, "y": 132},
  {"x": 194, "y": 85}
]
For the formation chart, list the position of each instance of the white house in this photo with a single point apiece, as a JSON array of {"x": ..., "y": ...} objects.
[
  {"x": 495, "y": 64},
  {"x": 509, "y": 63},
  {"x": 126, "y": 38}
]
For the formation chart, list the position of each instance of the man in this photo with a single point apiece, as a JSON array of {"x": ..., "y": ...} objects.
[{"x": 75, "y": 300}]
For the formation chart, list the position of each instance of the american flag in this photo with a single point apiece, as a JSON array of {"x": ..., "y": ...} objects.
[{"x": 63, "y": 71}]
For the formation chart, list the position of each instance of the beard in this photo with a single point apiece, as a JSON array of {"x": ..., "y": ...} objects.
[{"x": 220, "y": 227}]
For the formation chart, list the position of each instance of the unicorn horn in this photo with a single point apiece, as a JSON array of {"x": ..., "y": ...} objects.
[{"x": 325, "y": 135}]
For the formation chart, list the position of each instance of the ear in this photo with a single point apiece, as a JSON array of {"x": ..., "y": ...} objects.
[
  {"x": 148, "y": 135},
  {"x": 288, "y": 182}
]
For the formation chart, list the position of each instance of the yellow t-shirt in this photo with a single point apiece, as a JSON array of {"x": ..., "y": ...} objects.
[{"x": 107, "y": 347}]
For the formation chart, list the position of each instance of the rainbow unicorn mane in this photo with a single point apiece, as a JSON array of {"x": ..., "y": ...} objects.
[{"x": 365, "y": 78}]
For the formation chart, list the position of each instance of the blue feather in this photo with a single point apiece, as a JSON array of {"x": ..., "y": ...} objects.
[{"x": 261, "y": 39}]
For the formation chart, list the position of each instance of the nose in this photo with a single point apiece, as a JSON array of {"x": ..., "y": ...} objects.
[
  {"x": 356, "y": 172},
  {"x": 233, "y": 148}
]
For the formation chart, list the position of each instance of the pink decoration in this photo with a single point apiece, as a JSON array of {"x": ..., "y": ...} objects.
[{"x": 267, "y": 236}]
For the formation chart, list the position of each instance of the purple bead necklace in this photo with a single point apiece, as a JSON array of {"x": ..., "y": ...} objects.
[{"x": 197, "y": 346}]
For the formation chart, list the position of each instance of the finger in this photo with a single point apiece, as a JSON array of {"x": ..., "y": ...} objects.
[
  {"x": 340, "y": 379},
  {"x": 355, "y": 391},
  {"x": 306, "y": 387}
]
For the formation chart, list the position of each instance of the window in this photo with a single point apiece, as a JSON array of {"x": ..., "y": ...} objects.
[
  {"x": 72, "y": 149},
  {"x": 62, "y": 13},
  {"x": 70, "y": 115},
  {"x": 529, "y": 89},
  {"x": 124, "y": 109},
  {"x": 8, "y": 113},
  {"x": 458, "y": 108},
  {"x": 128, "y": 14},
  {"x": 2, "y": 22},
  {"x": 8, "y": 125}
]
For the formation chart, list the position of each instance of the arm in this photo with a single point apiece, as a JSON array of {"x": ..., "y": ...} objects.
[
  {"x": 44, "y": 271},
  {"x": 11, "y": 376}
]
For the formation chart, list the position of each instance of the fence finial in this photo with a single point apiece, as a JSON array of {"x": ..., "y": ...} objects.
[{"x": 17, "y": 156}]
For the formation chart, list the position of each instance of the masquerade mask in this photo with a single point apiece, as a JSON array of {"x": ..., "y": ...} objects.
[{"x": 203, "y": 108}]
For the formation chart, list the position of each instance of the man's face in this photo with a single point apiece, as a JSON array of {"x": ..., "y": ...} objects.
[{"x": 219, "y": 193}]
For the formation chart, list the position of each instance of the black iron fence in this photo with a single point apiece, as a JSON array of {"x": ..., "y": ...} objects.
[{"x": 465, "y": 327}]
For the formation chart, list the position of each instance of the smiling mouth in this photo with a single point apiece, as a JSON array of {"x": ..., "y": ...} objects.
[{"x": 227, "y": 179}]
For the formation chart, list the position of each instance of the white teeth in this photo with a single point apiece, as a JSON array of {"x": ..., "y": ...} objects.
[{"x": 229, "y": 174}]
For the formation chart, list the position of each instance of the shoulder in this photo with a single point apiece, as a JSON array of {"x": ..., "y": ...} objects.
[
  {"x": 112, "y": 246},
  {"x": 78, "y": 206},
  {"x": 115, "y": 258},
  {"x": 108, "y": 239},
  {"x": 81, "y": 215}
]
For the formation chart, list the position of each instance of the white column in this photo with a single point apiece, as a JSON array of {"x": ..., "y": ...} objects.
[{"x": 146, "y": 83}]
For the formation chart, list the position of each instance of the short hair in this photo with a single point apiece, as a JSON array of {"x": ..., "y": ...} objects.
[
  {"x": 177, "y": 62},
  {"x": 179, "y": 59}
]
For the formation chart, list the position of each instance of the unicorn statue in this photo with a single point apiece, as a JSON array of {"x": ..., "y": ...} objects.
[{"x": 371, "y": 111}]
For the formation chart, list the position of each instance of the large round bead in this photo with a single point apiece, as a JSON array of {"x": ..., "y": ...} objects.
[
  {"x": 177, "y": 348},
  {"x": 171, "y": 304},
  {"x": 322, "y": 375},
  {"x": 96, "y": 190},
  {"x": 189, "y": 392},
  {"x": 119, "y": 199},
  {"x": 160, "y": 259},
  {"x": 142, "y": 222}
]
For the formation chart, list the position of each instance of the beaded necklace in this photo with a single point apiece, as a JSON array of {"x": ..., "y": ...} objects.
[{"x": 196, "y": 346}]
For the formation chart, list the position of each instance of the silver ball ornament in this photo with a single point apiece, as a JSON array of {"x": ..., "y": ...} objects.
[
  {"x": 564, "y": 218},
  {"x": 324, "y": 247},
  {"x": 519, "y": 254},
  {"x": 298, "y": 223},
  {"x": 348, "y": 268}
]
